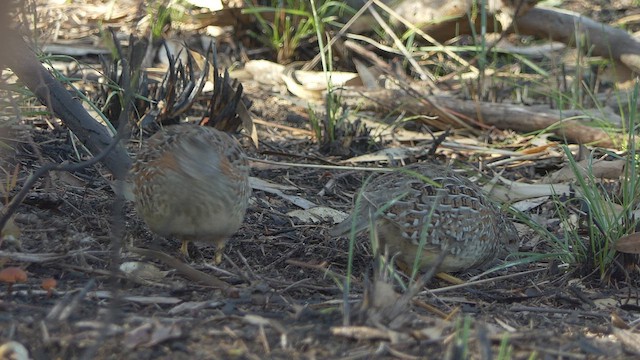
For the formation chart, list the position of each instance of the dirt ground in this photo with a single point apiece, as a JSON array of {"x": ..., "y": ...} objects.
[{"x": 288, "y": 273}]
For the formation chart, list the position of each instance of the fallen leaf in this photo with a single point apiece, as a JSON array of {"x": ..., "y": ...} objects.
[
  {"x": 318, "y": 214},
  {"x": 629, "y": 244},
  {"x": 601, "y": 169},
  {"x": 151, "y": 334},
  {"x": 144, "y": 271}
]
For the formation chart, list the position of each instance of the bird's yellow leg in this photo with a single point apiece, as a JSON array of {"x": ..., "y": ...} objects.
[
  {"x": 184, "y": 249},
  {"x": 219, "y": 251},
  {"x": 441, "y": 275}
]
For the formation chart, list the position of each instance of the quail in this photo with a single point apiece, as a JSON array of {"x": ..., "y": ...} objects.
[
  {"x": 430, "y": 202},
  {"x": 192, "y": 182}
]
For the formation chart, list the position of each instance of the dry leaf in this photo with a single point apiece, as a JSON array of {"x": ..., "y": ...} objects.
[
  {"x": 311, "y": 85},
  {"x": 265, "y": 72},
  {"x": 319, "y": 214},
  {"x": 271, "y": 188},
  {"x": 629, "y": 244},
  {"x": 144, "y": 271},
  {"x": 618, "y": 322},
  {"x": 599, "y": 169},
  {"x": 391, "y": 153},
  {"x": 151, "y": 334}
]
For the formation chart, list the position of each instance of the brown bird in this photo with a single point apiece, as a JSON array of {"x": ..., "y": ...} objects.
[
  {"x": 430, "y": 202},
  {"x": 192, "y": 182}
]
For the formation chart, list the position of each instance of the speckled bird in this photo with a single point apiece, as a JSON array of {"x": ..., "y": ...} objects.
[
  {"x": 192, "y": 182},
  {"x": 430, "y": 201}
]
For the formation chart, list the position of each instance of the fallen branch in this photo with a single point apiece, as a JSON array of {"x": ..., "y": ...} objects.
[
  {"x": 24, "y": 63},
  {"x": 482, "y": 114},
  {"x": 565, "y": 26},
  {"x": 445, "y": 20}
]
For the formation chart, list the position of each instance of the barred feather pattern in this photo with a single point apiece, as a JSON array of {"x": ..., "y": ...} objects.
[
  {"x": 446, "y": 210},
  {"x": 192, "y": 182}
]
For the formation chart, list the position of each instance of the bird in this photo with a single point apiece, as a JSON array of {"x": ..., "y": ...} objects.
[
  {"x": 192, "y": 182},
  {"x": 430, "y": 203}
]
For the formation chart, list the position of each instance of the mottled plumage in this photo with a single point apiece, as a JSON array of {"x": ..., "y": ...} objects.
[
  {"x": 192, "y": 182},
  {"x": 457, "y": 217}
]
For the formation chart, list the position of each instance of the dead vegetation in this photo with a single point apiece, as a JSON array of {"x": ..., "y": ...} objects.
[{"x": 548, "y": 129}]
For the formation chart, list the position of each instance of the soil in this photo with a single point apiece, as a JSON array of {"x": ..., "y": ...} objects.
[{"x": 288, "y": 274}]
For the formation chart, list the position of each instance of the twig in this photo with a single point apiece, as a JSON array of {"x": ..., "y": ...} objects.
[
  {"x": 558, "y": 311},
  {"x": 317, "y": 166},
  {"x": 429, "y": 78},
  {"x": 478, "y": 282},
  {"x": 63, "y": 309},
  {"x": 10, "y": 209},
  {"x": 343, "y": 30},
  {"x": 184, "y": 269}
]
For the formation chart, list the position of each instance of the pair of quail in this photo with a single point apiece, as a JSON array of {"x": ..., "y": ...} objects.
[{"x": 191, "y": 182}]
